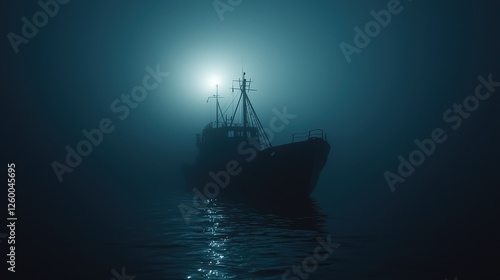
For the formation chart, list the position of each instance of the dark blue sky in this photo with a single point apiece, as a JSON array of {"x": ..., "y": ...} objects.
[
  {"x": 89, "y": 53},
  {"x": 65, "y": 78}
]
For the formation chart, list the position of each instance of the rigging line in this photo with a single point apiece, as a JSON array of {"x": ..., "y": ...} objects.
[
  {"x": 226, "y": 101},
  {"x": 232, "y": 118},
  {"x": 260, "y": 125},
  {"x": 222, "y": 115},
  {"x": 232, "y": 101}
]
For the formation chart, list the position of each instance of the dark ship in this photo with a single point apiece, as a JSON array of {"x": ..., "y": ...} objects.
[{"x": 238, "y": 160}]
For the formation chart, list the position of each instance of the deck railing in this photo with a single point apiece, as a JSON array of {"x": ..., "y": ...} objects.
[{"x": 315, "y": 133}]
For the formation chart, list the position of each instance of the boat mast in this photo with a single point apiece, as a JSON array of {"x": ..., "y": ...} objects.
[
  {"x": 217, "y": 106},
  {"x": 245, "y": 98},
  {"x": 248, "y": 108}
]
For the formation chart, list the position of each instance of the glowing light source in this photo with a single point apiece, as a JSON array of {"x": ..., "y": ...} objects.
[{"x": 213, "y": 81}]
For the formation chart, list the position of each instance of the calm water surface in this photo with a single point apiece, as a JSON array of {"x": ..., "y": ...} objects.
[{"x": 228, "y": 240}]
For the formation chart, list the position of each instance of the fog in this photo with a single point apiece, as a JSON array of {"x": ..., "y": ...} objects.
[{"x": 372, "y": 104}]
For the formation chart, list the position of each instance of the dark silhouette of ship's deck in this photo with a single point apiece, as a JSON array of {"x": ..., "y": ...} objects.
[{"x": 241, "y": 160}]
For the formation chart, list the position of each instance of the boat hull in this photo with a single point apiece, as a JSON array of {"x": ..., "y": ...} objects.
[{"x": 285, "y": 171}]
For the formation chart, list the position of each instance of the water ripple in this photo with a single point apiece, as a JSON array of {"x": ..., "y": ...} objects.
[{"x": 227, "y": 240}]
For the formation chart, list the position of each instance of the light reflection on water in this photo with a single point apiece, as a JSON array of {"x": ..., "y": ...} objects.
[{"x": 224, "y": 241}]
